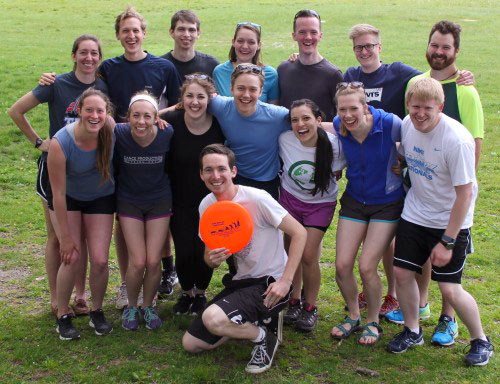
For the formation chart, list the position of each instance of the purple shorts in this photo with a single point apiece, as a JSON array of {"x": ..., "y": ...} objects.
[{"x": 316, "y": 215}]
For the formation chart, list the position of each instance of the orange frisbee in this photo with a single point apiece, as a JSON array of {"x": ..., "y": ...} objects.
[{"x": 226, "y": 224}]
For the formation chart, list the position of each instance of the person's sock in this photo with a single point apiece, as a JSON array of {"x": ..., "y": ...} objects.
[
  {"x": 415, "y": 330},
  {"x": 262, "y": 334},
  {"x": 168, "y": 263}
]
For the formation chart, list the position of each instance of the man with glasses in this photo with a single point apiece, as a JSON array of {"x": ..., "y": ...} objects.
[
  {"x": 185, "y": 30},
  {"x": 261, "y": 287},
  {"x": 311, "y": 76}
]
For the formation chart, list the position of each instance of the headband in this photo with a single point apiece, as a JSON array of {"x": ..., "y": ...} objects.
[{"x": 145, "y": 98}]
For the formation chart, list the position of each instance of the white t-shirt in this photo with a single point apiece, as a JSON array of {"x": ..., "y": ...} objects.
[
  {"x": 265, "y": 254},
  {"x": 299, "y": 169},
  {"x": 438, "y": 161}
]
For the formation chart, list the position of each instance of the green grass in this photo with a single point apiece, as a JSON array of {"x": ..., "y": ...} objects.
[{"x": 37, "y": 37}]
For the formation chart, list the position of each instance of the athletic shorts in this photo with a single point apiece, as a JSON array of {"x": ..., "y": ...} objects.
[
  {"x": 351, "y": 209},
  {"x": 272, "y": 186},
  {"x": 102, "y": 205},
  {"x": 144, "y": 211},
  {"x": 314, "y": 215},
  {"x": 414, "y": 244},
  {"x": 241, "y": 301},
  {"x": 42, "y": 179}
]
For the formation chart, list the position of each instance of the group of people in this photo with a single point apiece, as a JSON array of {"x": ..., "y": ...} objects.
[{"x": 154, "y": 141}]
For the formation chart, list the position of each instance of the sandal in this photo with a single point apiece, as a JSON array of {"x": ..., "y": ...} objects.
[
  {"x": 355, "y": 327},
  {"x": 367, "y": 332}
]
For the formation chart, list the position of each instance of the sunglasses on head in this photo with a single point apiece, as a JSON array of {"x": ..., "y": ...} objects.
[
  {"x": 354, "y": 85},
  {"x": 200, "y": 76},
  {"x": 248, "y": 68},
  {"x": 249, "y": 23}
]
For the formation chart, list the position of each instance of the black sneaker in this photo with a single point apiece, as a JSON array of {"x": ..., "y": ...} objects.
[
  {"x": 293, "y": 312},
  {"x": 183, "y": 304},
  {"x": 308, "y": 318},
  {"x": 263, "y": 354},
  {"x": 199, "y": 304},
  {"x": 99, "y": 323},
  {"x": 404, "y": 340},
  {"x": 168, "y": 280},
  {"x": 65, "y": 328},
  {"x": 275, "y": 325},
  {"x": 479, "y": 353}
]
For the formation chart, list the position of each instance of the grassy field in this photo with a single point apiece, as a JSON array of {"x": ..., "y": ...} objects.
[{"x": 37, "y": 37}]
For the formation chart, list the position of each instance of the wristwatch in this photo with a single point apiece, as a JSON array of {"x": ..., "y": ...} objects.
[
  {"x": 448, "y": 242},
  {"x": 38, "y": 142}
]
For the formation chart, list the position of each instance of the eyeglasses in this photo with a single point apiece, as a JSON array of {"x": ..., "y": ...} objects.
[
  {"x": 199, "y": 76},
  {"x": 354, "y": 85},
  {"x": 248, "y": 68},
  {"x": 307, "y": 13},
  {"x": 368, "y": 47},
  {"x": 249, "y": 23}
]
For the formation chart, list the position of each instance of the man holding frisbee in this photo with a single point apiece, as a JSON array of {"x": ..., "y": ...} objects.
[{"x": 261, "y": 288}]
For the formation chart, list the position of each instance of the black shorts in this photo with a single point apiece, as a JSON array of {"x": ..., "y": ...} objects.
[
  {"x": 144, "y": 211},
  {"x": 414, "y": 244},
  {"x": 102, "y": 205},
  {"x": 42, "y": 178},
  {"x": 351, "y": 209},
  {"x": 241, "y": 301}
]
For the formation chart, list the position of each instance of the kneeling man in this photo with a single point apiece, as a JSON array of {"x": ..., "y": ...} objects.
[
  {"x": 261, "y": 287},
  {"x": 437, "y": 216}
]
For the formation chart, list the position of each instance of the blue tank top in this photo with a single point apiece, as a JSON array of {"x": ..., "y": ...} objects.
[{"x": 83, "y": 180}]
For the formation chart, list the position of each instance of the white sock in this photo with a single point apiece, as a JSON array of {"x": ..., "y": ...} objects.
[
  {"x": 415, "y": 330},
  {"x": 262, "y": 334},
  {"x": 482, "y": 338}
]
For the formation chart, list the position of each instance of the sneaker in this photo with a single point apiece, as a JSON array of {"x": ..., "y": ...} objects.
[
  {"x": 99, "y": 323},
  {"x": 263, "y": 354},
  {"x": 65, "y": 328},
  {"x": 390, "y": 304},
  {"x": 361, "y": 302},
  {"x": 199, "y": 304},
  {"x": 397, "y": 316},
  {"x": 183, "y": 304},
  {"x": 404, "y": 340},
  {"x": 122, "y": 297},
  {"x": 80, "y": 307},
  {"x": 151, "y": 318},
  {"x": 308, "y": 318},
  {"x": 480, "y": 352},
  {"x": 445, "y": 332},
  {"x": 168, "y": 280},
  {"x": 130, "y": 318},
  {"x": 275, "y": 325},
  {"x": 293, "y": 312}
]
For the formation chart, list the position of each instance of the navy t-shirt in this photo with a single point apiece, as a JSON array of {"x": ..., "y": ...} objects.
[
  {"x": 201, "y": 62},
  {"x": 141, "y": 171}
]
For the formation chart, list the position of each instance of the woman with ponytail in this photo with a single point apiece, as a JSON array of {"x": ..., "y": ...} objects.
[
  {"x": 82, "y": 200},
  {"x": 311, "y": 159}
]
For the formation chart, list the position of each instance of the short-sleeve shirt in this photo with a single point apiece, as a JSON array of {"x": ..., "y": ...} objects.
[
  {"x": 265, "y": 253},
  {"x": 254, "y": 139},
  {"x": 201, "y": 62}
]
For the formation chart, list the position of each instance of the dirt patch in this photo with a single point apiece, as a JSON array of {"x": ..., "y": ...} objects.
[{"x": 11, "y": 284}]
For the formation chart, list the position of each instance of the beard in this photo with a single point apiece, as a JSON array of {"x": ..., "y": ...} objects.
[{"x": 432, "y": 59}]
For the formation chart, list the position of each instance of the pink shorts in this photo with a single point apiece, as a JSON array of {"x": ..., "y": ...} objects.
[{"x": 316, "y": 215}]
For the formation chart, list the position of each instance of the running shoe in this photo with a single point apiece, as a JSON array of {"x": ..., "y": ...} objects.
[
  {"x": 99, "y": 323},
  {"x": 308, "y": 318},
  {"x": 66, "y": 329},
  {"x": 293, "y": 312},
  {"x": 168, "y": 281},
  {"x": 404, "y": 340},
  {"x": 151, "y": 318},
  {"x": 445, "y": 332},
  {"x": 390, "y": 304},
  {"x": 397, "y": 316},
  {"x": 479, "y": 353},
  {"x": 122, "y": 297},
  {"x": 130, "y": 318},
  {"x": 198, "y": 305},
  {"x": 183, "y": 304},
  {"x": 263, "y": 354}
]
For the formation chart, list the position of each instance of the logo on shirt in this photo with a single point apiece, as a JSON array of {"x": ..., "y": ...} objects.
[
  {"x": 420, "y": 167},
  {"x": 373, "y": 94},
  {"x": 302, "y": 174}
]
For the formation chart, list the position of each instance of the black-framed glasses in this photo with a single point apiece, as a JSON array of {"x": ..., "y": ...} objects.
[
  {"x": 248, "y": 68},
  {"x": 354, "y": 85},
  {"x": 258, "y": 26},
  {"x": 368, "y": 47},
  {"x": 199, "y": 76},
  {"x": 307, "y": 13}
]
